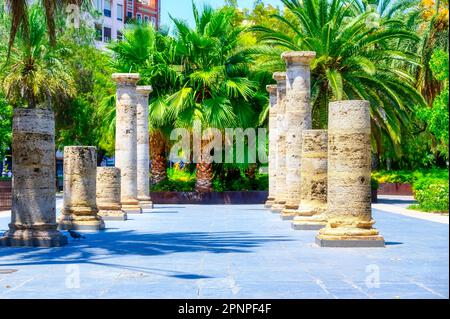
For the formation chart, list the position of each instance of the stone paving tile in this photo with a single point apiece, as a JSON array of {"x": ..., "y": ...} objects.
[{"x": 182, "y": 251}]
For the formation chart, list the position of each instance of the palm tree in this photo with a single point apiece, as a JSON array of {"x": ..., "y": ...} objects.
[
  {"x": 216, "y": 89},
  {"x": 153, "y": 55},
  {"x": 354, "y": 61},
  {"x": 19, "y": 16},
  {"x": 34, "y": 73}
]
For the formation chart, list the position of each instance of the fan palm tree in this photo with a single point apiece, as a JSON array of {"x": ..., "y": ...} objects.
[
  {"x": 34, "y": 73},
  {"x": 216, "y": 89},
  {"x": 354, "y": 61},
  {"x": 151, "y": 54}
]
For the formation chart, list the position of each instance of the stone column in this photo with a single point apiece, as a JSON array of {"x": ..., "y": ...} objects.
[
  {"x": 350, "y": 222},
  {"x": 298, "y": 118},
  {"x": 108, "y": 194},
  {"x": 272, "y": 89},
  {"x": 280, "y": 196},
  {"x": 80, "y": 205},
  {"x": 33, "y": 214},
  {"x": 143, "y": 154},
  {"x": 126, "y": 140},
  {"x": 311, "y": 214}
]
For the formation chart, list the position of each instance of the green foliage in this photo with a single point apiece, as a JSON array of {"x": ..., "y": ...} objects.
[
  {"x": 178, "y": 180},
  {"x": 355, "y": 60},
  {"x": 430, "y": 186},
  {"x": 35, "y": 73},
  {"x": 6, "y": 114},
  {"x": 432, "y": 195},
  {"x": 236, "y": 180}
]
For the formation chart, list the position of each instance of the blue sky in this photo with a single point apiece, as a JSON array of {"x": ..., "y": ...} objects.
[{"x": 183, "y": 8}]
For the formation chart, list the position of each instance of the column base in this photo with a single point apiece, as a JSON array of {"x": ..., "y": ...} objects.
[
  {"x": 112, "y": 215},
  {"x": 288, "y": 214},
  {"x": 270, "y": 202},
  {"x": 307, "y": 226},
  {"x": 132, "y": 209},
  {"x": 350, "y": 241},
  {"x": 278, "y": 207},
  {"x": 33, "y": 238},
  {"x": 146, "y": 204},
  {"x": 81, "y": 223}
]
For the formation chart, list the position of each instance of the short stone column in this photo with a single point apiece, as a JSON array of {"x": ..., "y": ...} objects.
[
  {"x": 272, "y": 89},
  {"x": 298, "y": 118},
  {"x": 108, "y": 194},
  {"x": 33, "y": 214},
  {"x": 126, "y": 140},
  {"x": 280, "y": 196},
  {"x": 143, "y": 153},
  {"x": 350, "y": 222},
  {"x": 80, "y": 205},
  {"x": 311, "y": 214}
]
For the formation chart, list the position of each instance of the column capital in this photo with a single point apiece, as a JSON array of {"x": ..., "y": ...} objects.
[
  {"x": 144, "y": 90},
  {"x": 302, "y": 57},
  {"x": 126, "y": 78},
  {"x": 279, "y": 76},
  {"x": 272, "y": 89}
]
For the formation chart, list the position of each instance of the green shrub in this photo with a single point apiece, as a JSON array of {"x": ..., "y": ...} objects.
[
  {"x": 430, "y": 187},
  {"x": 432, "y": 195},
  {"x": 374, "y": 183}
]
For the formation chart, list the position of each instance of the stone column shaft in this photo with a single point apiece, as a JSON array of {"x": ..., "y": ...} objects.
[
  {"x": 350, "y": 222},
  {"x": 298, "y": 118},
  {"x": 272, "y": 89},
  {"x": 33, "y": 214},
  {"x": 311, "y": 214},
  {"x": 280, "y": 196},
  {"x": 80, "y": 205},
  {"x": 126, "y": 140},
  {"x": 108, "y": 194},
  {"x": 143, "y": 153}
]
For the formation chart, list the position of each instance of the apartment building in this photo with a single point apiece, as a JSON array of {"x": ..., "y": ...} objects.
[{"x": 115, "y": 13}]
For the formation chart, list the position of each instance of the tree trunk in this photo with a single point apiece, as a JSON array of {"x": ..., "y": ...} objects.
[
  {"x": 204, "y": 171},
  {"x": 158, "y": 157}
]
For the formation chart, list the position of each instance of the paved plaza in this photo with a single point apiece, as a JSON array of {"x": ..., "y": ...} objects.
[{"x": 188, "y": 251}]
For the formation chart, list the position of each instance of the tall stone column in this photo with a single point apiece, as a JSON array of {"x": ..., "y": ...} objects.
[
  {"x": 80, "y": 205},
  {"x": 350, "y": 222},
  {"x": 272, "y": 89},
  {"x": 33, "y": 214},
  {"x": 280, "y": 195},
  {"x": 143, "y": 154},
  {"x": 298, "y": 118},
  {"x": 126, "y": 140},
  {"x": 108, "y": 194},
  {"x": 311, "y": 214}
]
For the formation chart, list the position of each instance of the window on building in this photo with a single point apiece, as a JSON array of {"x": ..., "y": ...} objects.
[
  {"x": 119, "y": 12},
  {"x": 146, "y": 19},
  {"x": 106, "y": 34},
  {"x": 98, "y": 32},
  {"x": 119, "y": 36},
  {"x": 139, "y": 17},
  {"x": 154, "y": 21},
  {"x": 107, "y": 8}
]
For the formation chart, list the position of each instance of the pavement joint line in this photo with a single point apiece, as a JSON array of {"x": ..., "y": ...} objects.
[{"x": 421, "y": 285}]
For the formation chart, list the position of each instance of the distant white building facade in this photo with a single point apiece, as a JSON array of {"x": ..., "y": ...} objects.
[{"x": 110, "y": 25}]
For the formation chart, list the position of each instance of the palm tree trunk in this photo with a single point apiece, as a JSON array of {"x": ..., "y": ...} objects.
[
  {"x": 204, "y": 172},
  {"x": 158, "y": 157}
]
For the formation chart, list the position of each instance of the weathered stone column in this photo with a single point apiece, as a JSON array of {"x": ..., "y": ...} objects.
[
  {"x": 350, "y": 222},
  {"x": 108, "y": 194},
  {"x": 143, "y": 154},
  {"x": 80, "y": 205},
  {"x": 272, "y": 89},
  {"x": 126, "y": 140},
  {"x": 280, "y": 196},
  {"x": 33, "y": 214},
  {"x": 311, "y": 214},
  {"x": 298, "y": 118}
]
